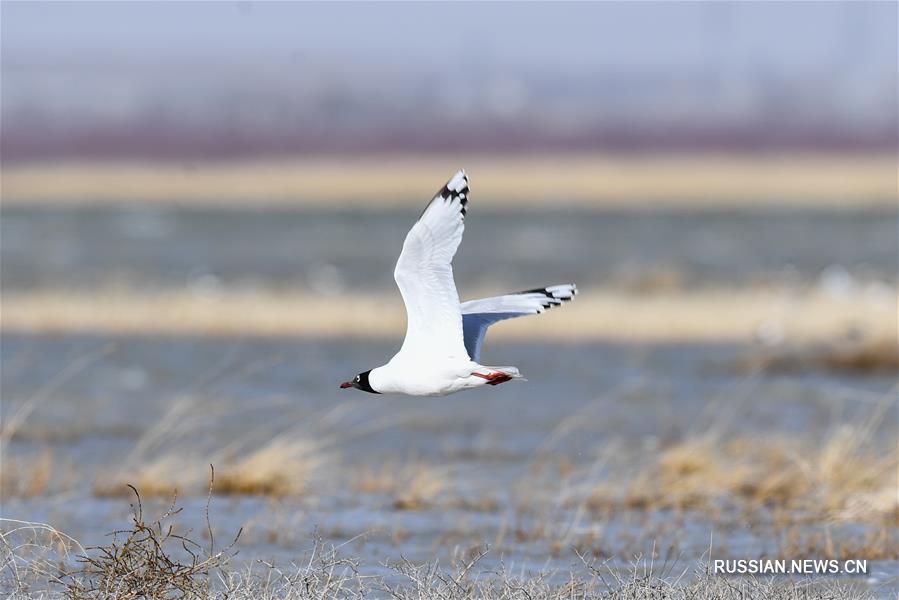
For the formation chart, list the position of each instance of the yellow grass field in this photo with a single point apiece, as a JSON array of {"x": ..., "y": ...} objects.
[
  {"x": 549, "y": 182},
  {"x": 738, "y": 315}
]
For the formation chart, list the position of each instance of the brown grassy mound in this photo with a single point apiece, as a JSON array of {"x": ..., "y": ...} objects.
[
  {"x": 842, "y": 476},
  {"x": 870, "y": 355}
]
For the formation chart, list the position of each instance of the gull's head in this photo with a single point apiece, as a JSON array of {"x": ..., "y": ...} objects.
[{"x": 360, "y": 382}]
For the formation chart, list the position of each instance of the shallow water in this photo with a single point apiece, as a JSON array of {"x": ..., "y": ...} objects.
[
  {"x": 632, "y": 390},
  {"x": 499, "y": 450},
  {"x": 508, "y": 460},
  {"x": 332, "y": 251}
]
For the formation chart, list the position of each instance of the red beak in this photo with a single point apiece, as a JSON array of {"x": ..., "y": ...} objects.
[{"x": 346, "y": 384}]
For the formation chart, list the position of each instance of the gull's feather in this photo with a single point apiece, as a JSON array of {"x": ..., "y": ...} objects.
[
  {"x": 479, "y": 315},
  {"x": 424, "y": 274}
]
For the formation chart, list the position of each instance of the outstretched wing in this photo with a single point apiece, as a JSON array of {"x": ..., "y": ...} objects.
[
  {"x": 424, "y": 274},
  {"x": 478, "y": 315}
]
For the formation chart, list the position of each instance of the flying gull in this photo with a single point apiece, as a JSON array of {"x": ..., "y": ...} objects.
[{"x": 442, "y": 349}]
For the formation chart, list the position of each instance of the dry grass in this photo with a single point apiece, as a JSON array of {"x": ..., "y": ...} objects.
[
  {"x": 33, "y": 557},
  {"x": 26, "y": 477},
  {"x": 152, "y": 560},
  {"x": 173, "y": 455},
  {"x": 867, "y": 355},
  {"x": 570, "y": 180},
  {"x": 800, "y": 542},
  {"x": 148, "y": 560},
  {"x": 160, "y": 477},
  {"x": 165, "y": 460},
  {"x": 698, "y": 315},
  {"x": 281, "y": 467},
  {"x": 805, "y": 485},
  {"x": 841, "y": 476},
  {"x": 413, "y": 486}
]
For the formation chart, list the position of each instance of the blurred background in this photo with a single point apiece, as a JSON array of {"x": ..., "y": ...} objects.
[
  {"x": 245, "y": 79},
  {"x": 202, "y": 203}
]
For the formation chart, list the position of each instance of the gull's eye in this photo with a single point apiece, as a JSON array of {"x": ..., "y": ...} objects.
[{"x": 358, "y": 379}]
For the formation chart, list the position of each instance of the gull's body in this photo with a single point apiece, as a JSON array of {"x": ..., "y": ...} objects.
[{"x": 443, "y": 341}]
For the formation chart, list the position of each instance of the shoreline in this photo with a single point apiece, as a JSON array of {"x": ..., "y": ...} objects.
[
  {"x": 533, "y": 182},
  {"x": 716, "y": 315}
]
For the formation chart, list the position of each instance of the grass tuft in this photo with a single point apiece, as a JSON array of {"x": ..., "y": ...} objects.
[
  {"x": 280, "y": 468},
  {"x": 843, "y": 477},
  {"x": 26, "y": 477},
  {"x": 160, "y": 477},
  {"x": 869, "y": 355},
  {"x": 148, "y": 560},
  {"x": 413, "y": 486}
]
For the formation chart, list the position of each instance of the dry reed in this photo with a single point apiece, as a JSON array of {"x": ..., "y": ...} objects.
[
  {"x": 571, "y": 180},
  {"x": 147, "y": 560},
  {"x": 413, "y": 486},
  {"x": 842, "y": 476},
  {"x": 154, "y": 560},
  {"x": 599, "y": 314}
]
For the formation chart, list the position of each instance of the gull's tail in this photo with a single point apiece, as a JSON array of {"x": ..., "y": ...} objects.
[{"x": 497, "y": 375}]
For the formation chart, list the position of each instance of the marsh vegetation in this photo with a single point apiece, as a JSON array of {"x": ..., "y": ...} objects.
[{"x": 724, "y": 387}]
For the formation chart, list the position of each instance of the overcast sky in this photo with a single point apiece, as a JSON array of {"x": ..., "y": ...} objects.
[
  {"x": 535, "y": 36},
  {"x": 404, "y": 70}
]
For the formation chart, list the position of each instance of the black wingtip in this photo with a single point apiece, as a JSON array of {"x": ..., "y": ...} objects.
[
  {"x": 456, "y": 187},
  {"x": 555, "y": 295}
]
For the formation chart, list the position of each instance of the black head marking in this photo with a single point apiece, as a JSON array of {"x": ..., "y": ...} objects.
[{"x": 363, "y": 384}]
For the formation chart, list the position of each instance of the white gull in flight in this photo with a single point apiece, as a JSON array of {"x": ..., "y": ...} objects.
[{"x": 443, "y": 337}]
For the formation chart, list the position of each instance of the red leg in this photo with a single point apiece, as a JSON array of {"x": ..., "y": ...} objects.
[{"x": 495, "y": 378}]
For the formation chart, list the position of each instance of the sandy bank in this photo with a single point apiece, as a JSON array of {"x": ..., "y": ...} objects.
[
  {"x": 539, "y": 182},
  {"x": 598, "y": 314}
]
